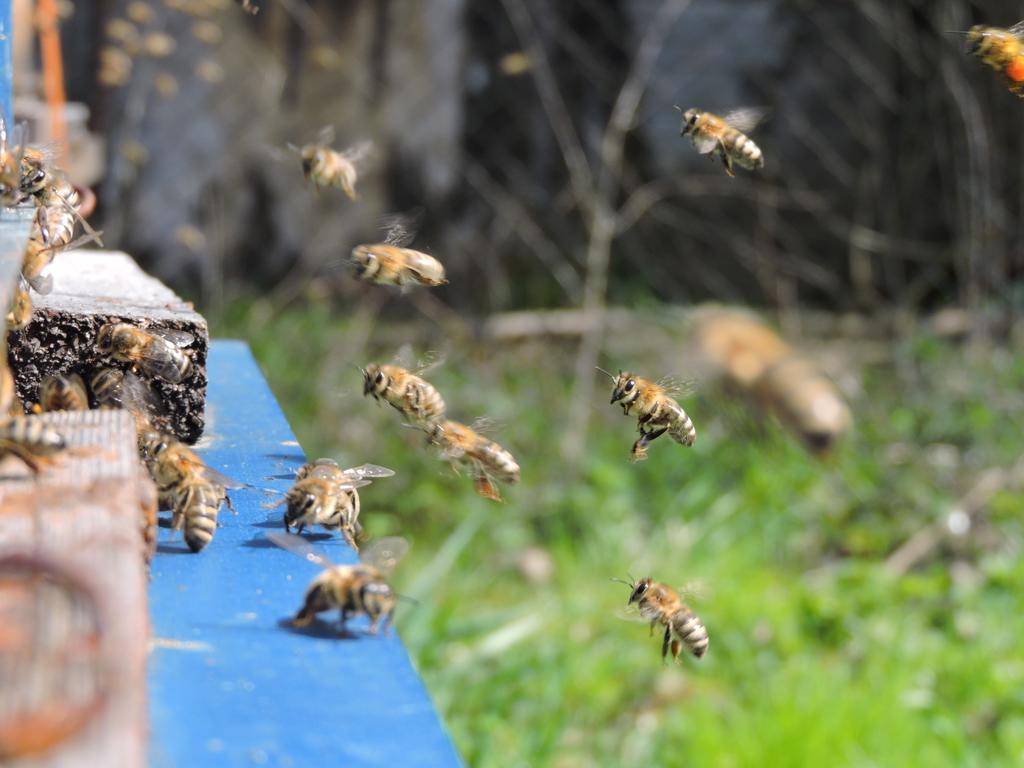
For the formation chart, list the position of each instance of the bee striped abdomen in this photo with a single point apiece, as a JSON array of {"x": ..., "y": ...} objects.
[
  {"x": 691, "y": 631},
  {"x": 199, "y": 504},
  {"x": 682, "y": 429}
]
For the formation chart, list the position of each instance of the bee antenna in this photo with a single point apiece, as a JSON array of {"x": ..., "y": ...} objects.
[
  {"x": 602, "y": 370},
  {"x": 622, "y": 581},
  {"x": 677, "y": 108},
  {"x": 408, "y": 599}
]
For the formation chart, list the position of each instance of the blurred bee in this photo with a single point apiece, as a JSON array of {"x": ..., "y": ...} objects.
[
  {"x": 158, "y": 45},
  {"x": 126, "y": 34},
  {"x": 210, "y": 71},
  {"x": 725, "y": 136},
  {"x": 351, "y": 589},
  {"x": 1001, "y": 49},
  {"x": 166, "y": 84},
  {"x": 193, "y": 491},
  {"x": 660, "y": 604},
  {"x": 326, "y": 167},
  {"x": 139, "y": 12},
  {"x": 155, "y": 354},
  {"x": 114, "y": 388},
  {"x": 326, "y": 495},
  {"x": 415, "y": 398},
  {"x": 461, "y": 444},
  {"x": 391, "y": 263},
  {"x": 21, "y": 308},
  {"x": 63, "y": 392},
  {"x": 657, "y": 411},
  {"x": 756, "y": 361},
  {"x": 249, "y": 6},
  {"x": 31, "y": 441},
  {"x": 12, "y": 147}
]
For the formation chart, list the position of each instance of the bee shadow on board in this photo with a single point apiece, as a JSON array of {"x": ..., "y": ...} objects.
[
  {"x": 262, "y": 542},
  {"x": 287, "y": 458},
  {"x": 174, "y": 548},
  {"x": 322, "y": 630}
]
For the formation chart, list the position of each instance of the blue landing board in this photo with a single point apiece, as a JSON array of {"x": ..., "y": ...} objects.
[{"x": 228, "y": 684}]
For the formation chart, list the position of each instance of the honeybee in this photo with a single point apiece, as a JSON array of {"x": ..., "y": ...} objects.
[
  {"x": 414, "y": 397},
  {"x": 140, "y": 12},
  {"x": 31, "y": 441},
  {"x": 63, "y": 392},
  {"x": 11, "y": 149},
  {"x": 158, "y": 45},
  {"x": 125, "y": 33},
  {"x": 351, "y": 589},
  {"x": 1001, "y": 49},
  {"x": 21, "y": 307},
  {"x": 462, "y": 444},
  {"x": 391, "y": 263},
  {"x": 659, "y": 604},
  {"x": 248, "y": 6},
  {"x": 207, "y": 32},
  {"x": 657, "y": 411},
  {"x": 114, "y": 388},
  {"x": 326, "y": 495},
  {"x": 725, "y": 136},
  {"x": 193, "y": 491},
  {"x": 115, "y": 67},
  {"x": 157, "y": 354},
  {"x": 326, "y": 167}
]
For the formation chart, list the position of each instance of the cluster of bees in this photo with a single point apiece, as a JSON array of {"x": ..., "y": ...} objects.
[{"x": 323, "y": 493}]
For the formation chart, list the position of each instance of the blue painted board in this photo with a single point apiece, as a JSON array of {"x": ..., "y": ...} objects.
[{"x": 228, "y": 684}]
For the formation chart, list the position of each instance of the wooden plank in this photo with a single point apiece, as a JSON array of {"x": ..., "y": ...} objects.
[
  {"x": 82, "y": 514},
  {"x": 231, "y": 686},
  {"x": 92, "y": 288}
]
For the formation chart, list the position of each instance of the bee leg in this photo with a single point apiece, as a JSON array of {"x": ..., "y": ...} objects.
[
  {"x": 299, "y": 528},
  {"x": 726, "y": 160},
  {"x": 677, "y": 646},
  {"x": 654, "y": 623},
  {"x": 664, "y": 644}
]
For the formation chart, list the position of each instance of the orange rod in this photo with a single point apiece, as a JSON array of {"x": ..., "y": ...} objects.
[{"x": 53, "y": 72}]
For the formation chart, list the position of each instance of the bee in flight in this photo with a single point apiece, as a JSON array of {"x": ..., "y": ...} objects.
[
  {"x": 326, "y": 495},
  {"x": 63, "y": 392},
  {"x": 114, "y": 388},
  {"x": 487, "y": 460},
  {"x": 1001, "y": 49},
  {"x": 157, "y": 354},
  {"x": 405, "y": 391},
  {"x": 31, "y": 441},
  {"x": 725, "y": 137},
  {"x": 392, "y": 263},
  {"x": 327, "y": 167},
  {"x": 657, "y": 411},
  {"x": 660, "y": 604},
  {"x": 352, "y": 590}
]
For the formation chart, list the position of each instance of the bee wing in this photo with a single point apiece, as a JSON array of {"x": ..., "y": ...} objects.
[
  {"x": 358, "y": 151},
  {"x": 401, "y": 227},
  {"x": 134, "y": 394},
  {"x": 745, "y": 119},
  {"x": 705, "y": 144},
  {"x": 385, "y": 553},
  {"x": 403, "y": 358},
  {"x": 369, "y": 470},
  {"x": 1017, "y": 30},
  {"x": 173, "y": 335},
  {"x": 41, "y": 284},
  {"x": 221, "y": 479},
  {"x": 325, "y": 135},
  {"x": 678, "y": 386},
  {"x": 349, "y": 485},
  {"x": 429, "y": 362},
  {"x": 485, "y": 425},
  {"x": 299, "y": 546}
]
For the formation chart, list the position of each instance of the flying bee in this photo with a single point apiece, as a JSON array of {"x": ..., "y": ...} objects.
[
  {"x": 114, "y": 388},
  {"x": 31, "y": 441},
  {"x": 725, "y": 136},
  {"x": 326, "y": 495},
  {"x": 20, "y": 314},
  {"x": 657, "y": 411},
  {"x": 412, "y": 396},
  {"x": 326, "y": 167},
  {"x": 392, "y": 263},
  {"x": 351, "y": 589},
  {"x": 487, "y": 460},
  {"x": 659, "y": 604},
  {"x": 63, "y": 392},
  {"x": 115, "y": 67},
  {"x": 157, "y": 354},
  {"x": 1001, "y": 49}
]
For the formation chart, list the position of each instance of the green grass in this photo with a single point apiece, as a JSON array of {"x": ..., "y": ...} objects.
[{"x": 818, "y": 657}]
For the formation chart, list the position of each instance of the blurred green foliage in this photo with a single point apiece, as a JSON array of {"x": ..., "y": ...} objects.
[{"x": 819, "y": 654}]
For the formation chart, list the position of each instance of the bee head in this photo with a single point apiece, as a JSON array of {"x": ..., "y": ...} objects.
[
  {"x": 639, "y": 590},
  {"x": 377, "y": 597},
  {"x": 375, "y": 381},
  {"x": 690, "y": 118},
  {"x": 364, "y": 259},
  {"x": 105, "y": 339},
  {"x": 624, "y": 388}
]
